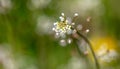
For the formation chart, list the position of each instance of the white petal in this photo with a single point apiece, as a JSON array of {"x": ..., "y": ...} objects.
[
  {"x": 87, "y": 30},
  {"x": 76, "y": 14},
  {"x": 69, "y": 40},
  {"x": 61, "y": 18},
  {"x": 63, "y": 42},
  {"x": 73, "y": 24},
  {"x": 69, "y": 31},
  {"x": 53, "y": 29},
  {"x": 62, "y": 14}
]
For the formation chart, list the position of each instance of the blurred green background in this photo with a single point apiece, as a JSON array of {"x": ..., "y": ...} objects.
[{"x": 27, "y": 41}]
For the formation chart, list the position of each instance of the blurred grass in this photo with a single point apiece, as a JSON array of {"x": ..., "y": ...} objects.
[{"x": 17, "y": 28}]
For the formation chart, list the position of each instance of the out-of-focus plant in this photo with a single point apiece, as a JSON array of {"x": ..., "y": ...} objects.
[
  {"x": 106, "y": 50},
  {"x": 67, "y": 28}
]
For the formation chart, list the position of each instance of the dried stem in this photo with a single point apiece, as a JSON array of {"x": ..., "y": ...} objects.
[{"x": 78, "y": 34}]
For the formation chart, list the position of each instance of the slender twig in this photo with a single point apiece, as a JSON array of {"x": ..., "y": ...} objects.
[{"x": 90, "y": 46}]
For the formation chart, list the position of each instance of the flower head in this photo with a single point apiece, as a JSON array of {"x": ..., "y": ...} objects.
[
  {"x": 66, "y": 27},
  {"x": 62, "y": 27}
]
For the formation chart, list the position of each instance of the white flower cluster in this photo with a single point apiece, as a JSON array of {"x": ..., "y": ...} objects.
[{"x": 64, "y": 28}]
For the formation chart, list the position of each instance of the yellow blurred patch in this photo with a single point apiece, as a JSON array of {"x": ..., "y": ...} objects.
[
  {"x": 105, "y": 48},
  {"x": 107, "y": 42}
]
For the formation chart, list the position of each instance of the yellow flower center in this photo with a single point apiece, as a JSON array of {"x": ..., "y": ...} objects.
[{"x": 63, "y": 26}]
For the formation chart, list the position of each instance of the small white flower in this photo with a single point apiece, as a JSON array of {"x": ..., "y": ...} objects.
[
  {"x": 63, "y": 42},
  {"x": 69, "y": 40},
  {"x": 73, "y": 24},
  {"x": 62, "y": 27},
  {"x": 76, "y": 14},
  {"x": 61, "y": 18},
  {"x": 62, "y": 14},
  {"x": 87, "y": 30},
  {"x": 65, "y": 27}
]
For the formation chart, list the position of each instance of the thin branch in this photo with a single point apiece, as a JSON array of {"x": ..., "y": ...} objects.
[{"x": 90, "y": 46}]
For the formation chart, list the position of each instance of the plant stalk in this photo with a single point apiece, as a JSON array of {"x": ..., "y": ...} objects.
[{"x": 90, "y": 46}]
